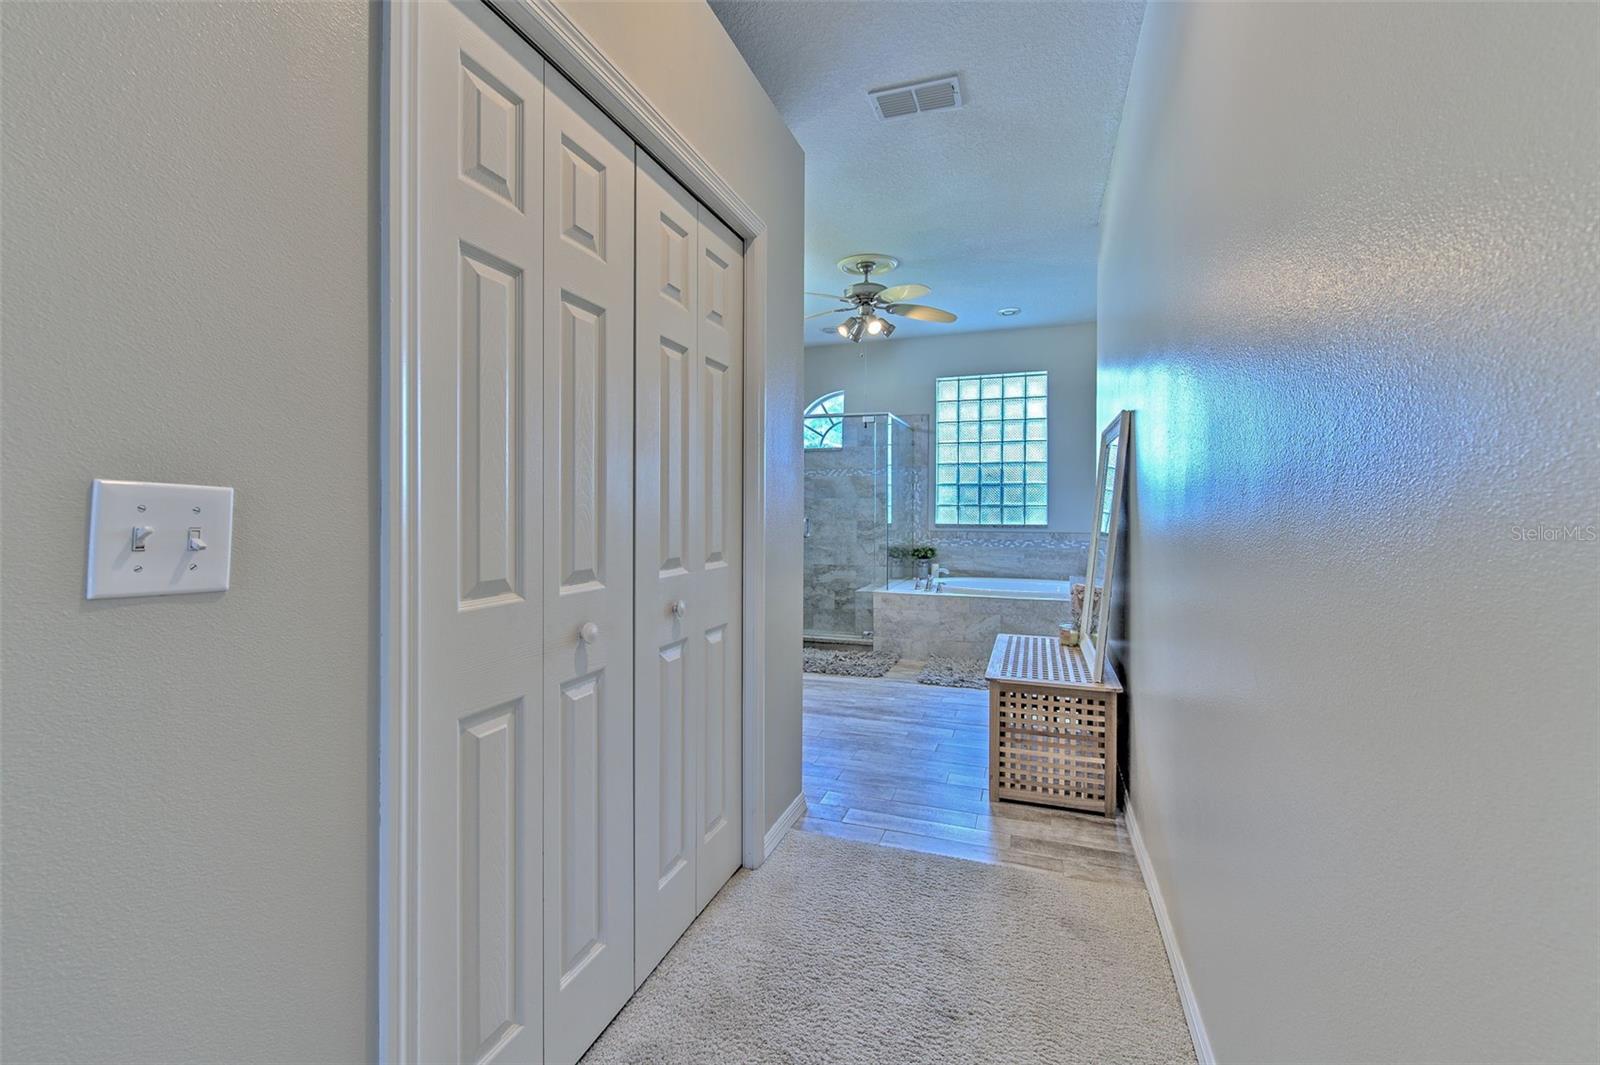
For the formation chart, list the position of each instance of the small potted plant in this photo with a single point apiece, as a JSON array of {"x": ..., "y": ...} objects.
[{"x": 923, "y": 555}]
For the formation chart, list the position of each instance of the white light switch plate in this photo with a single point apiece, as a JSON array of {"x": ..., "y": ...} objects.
[{"x": 179, "y": 518}]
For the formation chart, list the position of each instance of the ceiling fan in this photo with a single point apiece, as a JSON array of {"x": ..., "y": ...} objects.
[{"x": 867, "y": 301}]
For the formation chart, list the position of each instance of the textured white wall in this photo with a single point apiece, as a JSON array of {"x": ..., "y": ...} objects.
[
  {"x": 680, "y": 57},
  {"x": 189, "y": 252},
  {"x": 1348, "y": 285},
  {"x": 898, "y": 376},
  {"x": 189, "y": 783}
]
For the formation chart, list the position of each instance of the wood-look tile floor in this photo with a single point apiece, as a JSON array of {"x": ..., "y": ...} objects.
[{"x": 902, "y": 764}]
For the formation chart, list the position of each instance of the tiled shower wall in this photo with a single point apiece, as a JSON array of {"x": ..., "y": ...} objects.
[{"x": 848, "y": 528}]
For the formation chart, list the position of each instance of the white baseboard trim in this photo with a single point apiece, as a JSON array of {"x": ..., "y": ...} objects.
[
  {"x": 1180, "y": 974},
  {"x": 775, "y": 834}
]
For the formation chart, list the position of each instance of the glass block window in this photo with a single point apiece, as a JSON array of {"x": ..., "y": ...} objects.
[
  {"x": 824, "y": 428},
  {"x": 989, "y": 450}
]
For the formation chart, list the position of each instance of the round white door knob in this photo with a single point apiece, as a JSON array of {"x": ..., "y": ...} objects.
[
  {"x": 680, "y": 608},
  {"x": 588, "y": 632}
]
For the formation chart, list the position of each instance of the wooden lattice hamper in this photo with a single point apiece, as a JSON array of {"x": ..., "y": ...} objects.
[{"x": 1052, "y": 730}]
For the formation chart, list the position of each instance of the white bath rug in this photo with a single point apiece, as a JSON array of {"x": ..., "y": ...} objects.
[
  {"x": 954, "y": 672},
  {"x": 849, "y": 663}
]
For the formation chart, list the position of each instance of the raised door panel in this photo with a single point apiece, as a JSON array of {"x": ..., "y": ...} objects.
[
  {"x": 587, "y": 460},
  {"x": 719, "y": 801},
  {"x": 581, "y": 358},
  {"x": 717, "y": 507},
  {"x": 672, "y": 828},
  {"x": 491, "y": 421},
  {"x": 669, "y": 446},
  {"x": 473, "y": 876},
  {"x": 493, "y": 131},
  {"x": 490, "y": 966},
  {"x": 668, "y": 704},
  {"x": 580, "y": 834},
  {"x": 717, "y": 404}
]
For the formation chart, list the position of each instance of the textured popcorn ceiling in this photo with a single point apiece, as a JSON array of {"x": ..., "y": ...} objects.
[{"x": 993, "y": 205}]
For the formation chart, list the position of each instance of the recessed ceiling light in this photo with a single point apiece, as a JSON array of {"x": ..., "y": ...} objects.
[{"x": 1009, "y": 312}]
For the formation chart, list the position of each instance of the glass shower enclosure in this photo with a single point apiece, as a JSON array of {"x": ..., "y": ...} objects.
[{"x": 859, "y": 517}]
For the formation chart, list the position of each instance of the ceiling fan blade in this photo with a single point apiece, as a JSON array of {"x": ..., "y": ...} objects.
[
  {"x": 920, "y": 313},
  {"x": 825, "y": 295},
  {"x": 830, "y": 310},
  {"x": 899, "y": 293}
]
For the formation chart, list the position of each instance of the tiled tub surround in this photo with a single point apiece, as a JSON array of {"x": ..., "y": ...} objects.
[
  {"x": 962, "y": 620},
  {"x": 968, "y": 552}
]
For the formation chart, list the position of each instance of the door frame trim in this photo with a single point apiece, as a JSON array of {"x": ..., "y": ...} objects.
[{"x": 566, "y": 47}]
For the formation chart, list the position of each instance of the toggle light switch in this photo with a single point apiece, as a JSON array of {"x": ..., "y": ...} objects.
[{"x": 131, "y": 555}]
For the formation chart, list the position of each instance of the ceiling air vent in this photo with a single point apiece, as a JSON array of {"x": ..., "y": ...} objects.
[{"x": 898, "y": 101}]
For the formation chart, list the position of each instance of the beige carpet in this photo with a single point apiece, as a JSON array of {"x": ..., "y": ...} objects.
[{"x": 841, "y": 952}]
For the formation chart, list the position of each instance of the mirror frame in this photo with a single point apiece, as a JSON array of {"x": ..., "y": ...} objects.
[{"x": 1095, "y": 639}]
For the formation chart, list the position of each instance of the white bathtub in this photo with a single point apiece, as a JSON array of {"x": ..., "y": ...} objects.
[
  {"x": 994, "y": 587},
  {"x": 962, "y": 619}
]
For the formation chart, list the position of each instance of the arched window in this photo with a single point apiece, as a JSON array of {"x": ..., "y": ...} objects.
[{"x": 824, "y": 424}]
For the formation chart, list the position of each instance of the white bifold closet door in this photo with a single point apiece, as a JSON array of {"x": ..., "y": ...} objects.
[
  {"x": 564, "y": 834},
  {"x": 522, "y": 761},
  {"x": 588, "y": 569},
  {"x": 687, "y": 561},
  {"x": 476, "y": 990}
]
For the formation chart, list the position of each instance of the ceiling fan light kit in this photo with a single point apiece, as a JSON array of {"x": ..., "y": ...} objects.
[{"x": 868, "y": 301}]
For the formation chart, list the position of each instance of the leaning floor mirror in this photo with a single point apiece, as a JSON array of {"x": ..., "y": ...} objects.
[{"x": 1094, "y": 626}]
